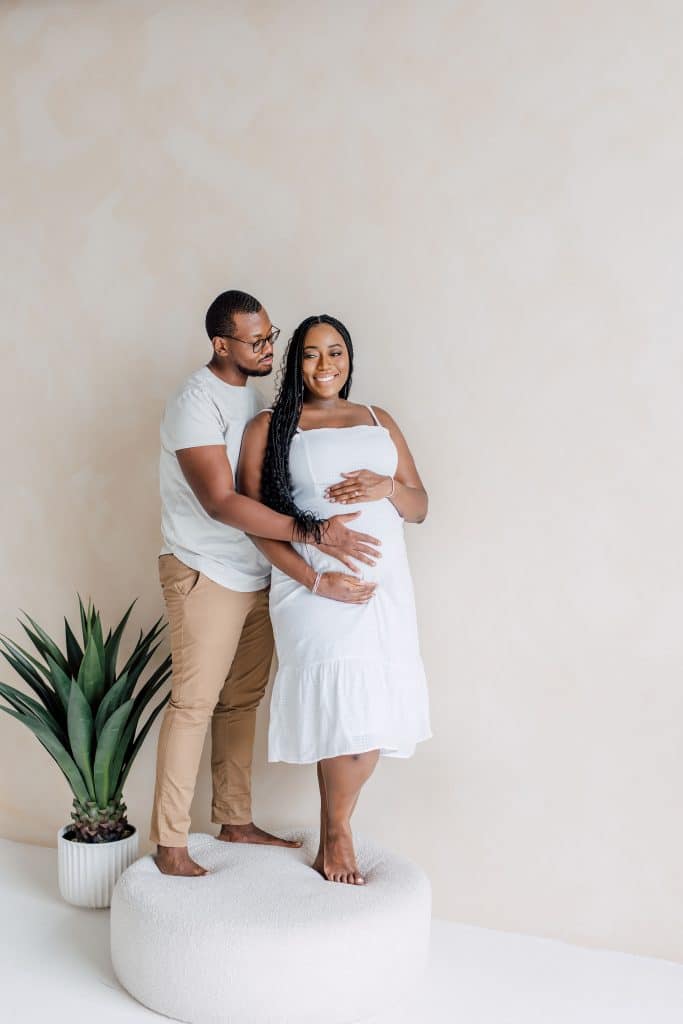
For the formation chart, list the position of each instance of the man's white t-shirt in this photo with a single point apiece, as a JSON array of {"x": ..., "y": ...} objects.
[{"x": 206, "y": 410}]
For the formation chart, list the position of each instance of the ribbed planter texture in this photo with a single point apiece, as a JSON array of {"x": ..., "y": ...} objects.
[{"x": 88, "y": 872}]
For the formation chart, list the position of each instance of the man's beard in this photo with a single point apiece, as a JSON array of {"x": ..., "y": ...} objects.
[{"x": 255, "y": 371}]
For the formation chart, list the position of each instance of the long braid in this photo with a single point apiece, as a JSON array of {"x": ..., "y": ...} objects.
[{"x": 276, "y": 484}]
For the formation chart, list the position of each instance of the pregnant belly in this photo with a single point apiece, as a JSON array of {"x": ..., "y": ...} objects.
[{"x": 379, "y": 519}]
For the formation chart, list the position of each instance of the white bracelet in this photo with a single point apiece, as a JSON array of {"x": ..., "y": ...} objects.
[
  {"x": 316, "y": 584},
  {"x": 393, "y": 487}
]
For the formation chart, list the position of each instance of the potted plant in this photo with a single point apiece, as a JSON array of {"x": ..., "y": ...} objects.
[{"x": 87, "y": 717}]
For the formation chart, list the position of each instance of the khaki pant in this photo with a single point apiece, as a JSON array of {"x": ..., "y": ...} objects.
[{"x": 221, "y": 650}]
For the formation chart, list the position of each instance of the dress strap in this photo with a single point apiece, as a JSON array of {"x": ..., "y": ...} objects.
[{"x": 372, "y": 413}]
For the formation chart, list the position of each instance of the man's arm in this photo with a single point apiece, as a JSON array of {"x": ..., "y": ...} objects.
[
  {"x": 191, "y": 429},
  {"x": 209, "y": 474}
]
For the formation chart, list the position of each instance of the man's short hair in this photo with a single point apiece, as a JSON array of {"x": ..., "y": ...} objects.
[{"x": 221, "y": 313}]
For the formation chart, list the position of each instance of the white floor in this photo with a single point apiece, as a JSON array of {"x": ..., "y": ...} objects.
[{"x": 54, "y": 965}]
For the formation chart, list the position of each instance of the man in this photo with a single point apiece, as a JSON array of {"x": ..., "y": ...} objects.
[{"x": 215, "y": 584}]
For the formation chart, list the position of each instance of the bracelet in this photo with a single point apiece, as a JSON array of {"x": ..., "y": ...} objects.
[
  {"x": 393, "y": 487},
  {"x": 316, "y": 584}
]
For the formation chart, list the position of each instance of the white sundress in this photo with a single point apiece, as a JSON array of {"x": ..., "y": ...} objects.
[{"x": 350, "y": 677}]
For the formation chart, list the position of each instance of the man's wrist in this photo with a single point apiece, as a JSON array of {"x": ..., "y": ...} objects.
[
  {"x": 323, "y": 530},
  {"x": 309, "y": 577}
]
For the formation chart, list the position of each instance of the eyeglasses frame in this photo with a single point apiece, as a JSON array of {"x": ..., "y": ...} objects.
[{"x": 257, "y": 346}]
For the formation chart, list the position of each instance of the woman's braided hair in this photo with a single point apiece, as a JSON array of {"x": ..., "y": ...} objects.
[{"x": 276, "y": 484}]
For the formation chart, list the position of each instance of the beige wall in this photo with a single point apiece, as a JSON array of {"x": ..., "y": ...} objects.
[{"x": 489, "y": 194}]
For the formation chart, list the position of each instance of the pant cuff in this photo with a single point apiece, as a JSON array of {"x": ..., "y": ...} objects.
[
  {"x": 220, "y": 816},
  {"x": 168, "y": 838}
]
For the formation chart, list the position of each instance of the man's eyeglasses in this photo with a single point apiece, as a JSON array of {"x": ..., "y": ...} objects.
[{"x": 257, "y": 346}]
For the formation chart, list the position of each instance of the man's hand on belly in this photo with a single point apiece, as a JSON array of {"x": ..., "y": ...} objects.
[
  {"x": 344, "y": 544},
  {"x": 344, "y": 558}
]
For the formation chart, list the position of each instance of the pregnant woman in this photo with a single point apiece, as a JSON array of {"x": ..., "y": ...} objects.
[{"x": 350, "y": 683}]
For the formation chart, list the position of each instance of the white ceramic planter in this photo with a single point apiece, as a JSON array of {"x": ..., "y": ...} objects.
[{"x": 88, "y": 872}]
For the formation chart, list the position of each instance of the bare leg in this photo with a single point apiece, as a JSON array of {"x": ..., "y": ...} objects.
[
  {"x": 175, "y": 860},
  {"x": 342, "y": 780},
  {"x": 318, "y": 863}
]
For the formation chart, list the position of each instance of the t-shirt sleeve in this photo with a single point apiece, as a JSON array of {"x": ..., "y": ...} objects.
[
  {"x": 191, "y": 420},
  {"x": 263, "y": 402}
]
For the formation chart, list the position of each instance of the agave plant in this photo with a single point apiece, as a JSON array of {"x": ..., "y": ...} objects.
[{"x": 86, "y": 716}]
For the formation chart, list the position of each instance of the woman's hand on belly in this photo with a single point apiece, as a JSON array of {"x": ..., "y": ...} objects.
[
  {"x": 339, "y": 586},
  {"x": 361, "y": 485}
]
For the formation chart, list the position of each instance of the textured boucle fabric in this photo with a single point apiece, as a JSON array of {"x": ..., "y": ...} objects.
[{"x": 264, "y": 939}]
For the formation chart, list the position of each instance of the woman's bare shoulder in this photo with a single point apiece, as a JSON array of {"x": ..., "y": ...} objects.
[
  {"x": 263, "y": 417},
  {"x": 384, "y": 417},
  {"x": 258, "y": 426}
]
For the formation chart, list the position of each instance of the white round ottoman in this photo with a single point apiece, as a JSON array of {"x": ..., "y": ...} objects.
[{"x": 264, "y": 939}]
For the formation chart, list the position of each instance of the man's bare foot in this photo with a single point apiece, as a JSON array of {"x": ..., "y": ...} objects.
[
  {"x": 252, "y": 834},
  {"x": 175, "y": 860},
  {"x": 338, "y": 859}
]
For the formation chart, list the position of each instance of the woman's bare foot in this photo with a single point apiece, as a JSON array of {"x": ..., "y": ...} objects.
[
  {"x": 175, "y": 860},
  {"x": 339, "y": 858},
  {"x": 252, "y": 834}
]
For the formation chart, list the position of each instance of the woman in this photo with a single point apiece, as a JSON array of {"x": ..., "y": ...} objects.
[{"x": 350, "y": 684}]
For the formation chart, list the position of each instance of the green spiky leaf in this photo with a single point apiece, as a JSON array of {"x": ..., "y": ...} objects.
[
  {"x": 81, "y": 730},
  {"x": 43, "y": 643},
  {"x": 143, "y": 645},
  {"x": 56, "y": 750},
  {"x": 22, "y": 663},
  {"x": 24, "y": 655},
  {"x": 91, "y": 673},
  {"x": 74, "y": 654},
  {"x": 139, "y": 740},
  {"x": 111, "y": 647},
  {"x": 112, "y": 699},
  {"x": 107, "y": 746},
  {"x": 60, "y": 681},
  {"x": 22, "y": 702},
  {"x": 85, "y": 629},
  {"x": 152, "y": 686},
  {"x": 97, "y": 635}
]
